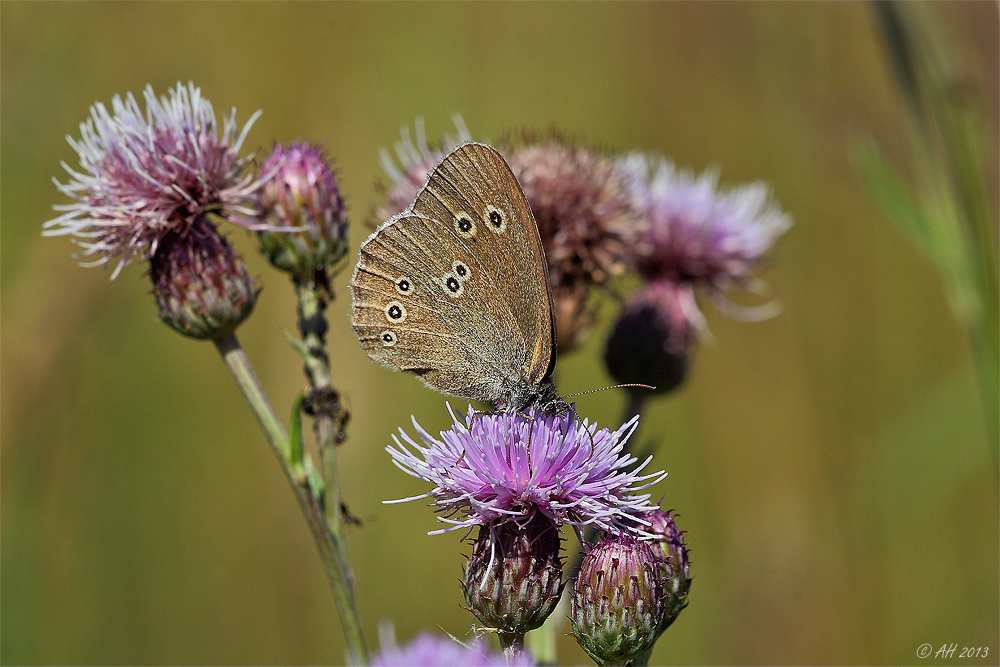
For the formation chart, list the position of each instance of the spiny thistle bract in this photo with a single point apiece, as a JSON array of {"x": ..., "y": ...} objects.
[
  {"x": 201, "y": 285},
  {"x": 617, "y": 602},
  {"x": 513, "y": 579}
]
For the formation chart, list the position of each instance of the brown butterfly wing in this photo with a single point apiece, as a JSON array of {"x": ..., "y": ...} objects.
[
  {"x": 426, "y": 303},
  {"x": 475, "y": 181}
]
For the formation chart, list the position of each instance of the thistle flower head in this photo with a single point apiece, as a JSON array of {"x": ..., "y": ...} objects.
[
  {"x": 513, "y": 579},
  {"x": 302, "y": 205},
  {"x": 428, "y": 650},
  {"x": 145, "y": 175},
  {"x": 583, "y": 207},
  {"x": 698, "y": 233},
  {"x": 201, "y": 285},
  {"x": 617, "y": 602},
  {"x": 493, "y": 468},
  {"x": 417, "y": 160},
  {"x": 652, "y": 340}
]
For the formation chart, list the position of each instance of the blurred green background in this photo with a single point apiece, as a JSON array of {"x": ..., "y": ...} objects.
[{"x": 830, "y": 465}]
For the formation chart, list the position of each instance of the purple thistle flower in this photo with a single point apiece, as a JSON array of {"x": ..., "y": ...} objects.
[
  {"x": 582, "y": 204},
  {"x": 699, "y": 234},
  {"x": 417, "y": 162},
  {"x": 484, "y": 472},
  {"x": 427, "y": 650},
  {"x": 588, "y": 224},
  {"x": 144, "y": 175}
]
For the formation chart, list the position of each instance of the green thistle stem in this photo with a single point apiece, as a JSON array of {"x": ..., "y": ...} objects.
[
  {"x": 235, "y": 358},
  {"x": 329, "y": 422},
  {"x": 330, "y": 547},
  {"x": 512, "y": 644}
]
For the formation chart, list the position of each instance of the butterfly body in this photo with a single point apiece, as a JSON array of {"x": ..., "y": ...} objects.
[{"x": 455, "y": 289}]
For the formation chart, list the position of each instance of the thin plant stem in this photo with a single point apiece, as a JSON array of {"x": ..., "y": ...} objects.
[
  {"x": 512, "y": 644},
  {"x": 324, "y": 406},
  {"x": 338, "y": 574},
  {"x": 236, "y": 360}
]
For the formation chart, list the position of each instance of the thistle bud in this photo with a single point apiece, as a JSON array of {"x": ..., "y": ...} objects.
[
  {"x": 513, "y": 578},
  {"x": 653, "y": 338},
  {"x": 303, "y": 195},
  {"x": 617, "y": 601},
  {"x": 675, "y": 566},
  {"x": 201, "y": 285}
]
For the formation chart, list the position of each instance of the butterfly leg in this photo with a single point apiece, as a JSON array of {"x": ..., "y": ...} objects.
[{"x": 476, "y": 414}]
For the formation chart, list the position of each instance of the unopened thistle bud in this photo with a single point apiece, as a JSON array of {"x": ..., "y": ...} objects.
[
  {"x": 617, "y": 601},
  {"x": 302, "y": 196},
  {"x": 513, "y": 578},
  {"x": 653, "y": 339},
  {"x": 201, "y": 285},
  {"x": 675, "y": 566}
]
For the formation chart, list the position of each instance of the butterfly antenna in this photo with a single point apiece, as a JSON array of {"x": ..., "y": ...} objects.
[{"x": 616, "y": 386}]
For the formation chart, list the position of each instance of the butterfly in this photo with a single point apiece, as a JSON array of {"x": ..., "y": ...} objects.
[{"x": 455, "y": 289}]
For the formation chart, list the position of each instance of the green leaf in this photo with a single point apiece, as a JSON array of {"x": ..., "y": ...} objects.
[
  {"x": 295, "y": 442},
  {"x": 315, "y": 480},
  {"x": 299, "y": 346}
]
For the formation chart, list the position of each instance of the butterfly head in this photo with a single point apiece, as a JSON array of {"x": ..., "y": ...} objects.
[{"x": 542, "y": 397}]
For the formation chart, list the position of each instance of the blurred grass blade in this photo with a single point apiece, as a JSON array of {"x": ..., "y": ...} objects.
[
  {"x": 946, "y": 211},
  {"x": 893, "y": 195},
  {"x": 900, "y": 47}
]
